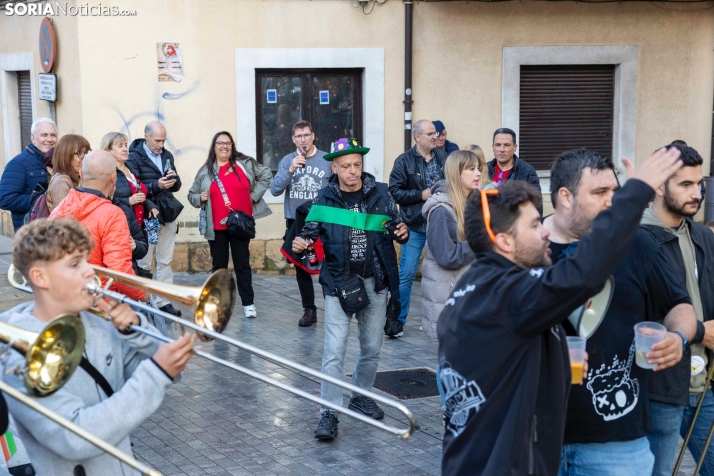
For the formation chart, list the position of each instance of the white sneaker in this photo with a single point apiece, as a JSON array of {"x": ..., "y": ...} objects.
[{"x": 249, "y": 311}]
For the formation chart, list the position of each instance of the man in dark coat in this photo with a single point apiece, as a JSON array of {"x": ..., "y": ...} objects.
[
  {"x": 151, "y": 163},
  {"x": 351, "y": 216},
  {"x": 508, "y": 417},
  {"x": 26, "y": 170},
  {"x": 506, "y": 165}
]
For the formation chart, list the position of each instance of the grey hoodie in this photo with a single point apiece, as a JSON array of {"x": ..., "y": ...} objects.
[
  {"x": 446, "y": 256},
  {"x": 139, "y": 386},
  {"x": 686, "y": 246}
]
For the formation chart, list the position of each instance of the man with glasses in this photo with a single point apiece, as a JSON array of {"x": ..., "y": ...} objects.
[
  {"x": 26, "y": 170},
  {"x": 506, "y": 165},
  {"x": 301, "y": 174},
  {"x": 151, "y": 163},
  {"x": 413, "y": 175},
  {"x": 508, "y": 416}
]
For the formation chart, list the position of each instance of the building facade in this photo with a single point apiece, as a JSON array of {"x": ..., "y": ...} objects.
[{"x": 621, "y": 77}]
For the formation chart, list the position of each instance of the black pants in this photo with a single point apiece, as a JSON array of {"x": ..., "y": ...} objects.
[
  {"x": 241, "y": 262},
  {"x": 304, "y": 280}
]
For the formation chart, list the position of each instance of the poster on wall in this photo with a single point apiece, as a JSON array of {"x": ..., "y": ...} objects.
[
  {"x": 170, "y": 62},
  {"x": 324, "y": 97}
]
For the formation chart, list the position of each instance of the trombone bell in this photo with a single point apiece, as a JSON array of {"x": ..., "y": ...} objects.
[
  {"x": 51, "y": 356},
  {"x": 213, "y": 302}
]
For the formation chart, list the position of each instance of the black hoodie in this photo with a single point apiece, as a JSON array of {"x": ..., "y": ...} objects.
[{"x": 503, "y": 355}]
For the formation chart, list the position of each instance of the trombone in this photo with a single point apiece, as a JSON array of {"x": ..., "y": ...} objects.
[
  {"x": 707, "y": 386},
  {"x": 51, "y": 357},
  {"x": 213, "y": 303}
]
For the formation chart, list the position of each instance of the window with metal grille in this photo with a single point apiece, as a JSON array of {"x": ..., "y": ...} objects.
[
  {"x": 565, "y": 107},
  {"x": 24, "y": 95},
  {"x": 330, "y": 99}
]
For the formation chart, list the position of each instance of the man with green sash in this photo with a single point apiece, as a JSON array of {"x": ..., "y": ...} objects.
[{"x": 357, "y": 219}]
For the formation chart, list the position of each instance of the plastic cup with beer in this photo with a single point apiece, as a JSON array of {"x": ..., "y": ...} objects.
[
  {"x": 647, "y": 334},
  {"x": 576, "y": 349}
]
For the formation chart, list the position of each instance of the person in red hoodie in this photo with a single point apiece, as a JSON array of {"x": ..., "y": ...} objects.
[{"x": 91, "y": 205}]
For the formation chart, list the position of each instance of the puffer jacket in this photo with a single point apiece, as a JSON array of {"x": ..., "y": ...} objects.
[
  {"x": 336, "y": 238},
  {"x": 19, "y": 179},
  {"x": 144, "y": 169},
  {"x": 123, "y": 193},
  {"x": 446, "y": 257},
  {"x": 109, "y": 229},
  {"x": 259, "y": 176},
  {"x": 407, "y": 181},
  {"x": 140, "y": 238}
]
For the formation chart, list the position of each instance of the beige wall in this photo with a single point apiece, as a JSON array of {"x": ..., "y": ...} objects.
[
  {"x": 457, "y": 65},
  {"x": 22, "y": 35}
]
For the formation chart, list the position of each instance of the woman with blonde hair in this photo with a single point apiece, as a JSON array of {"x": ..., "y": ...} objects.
[
  {"x": 447, "y": 254},
  {"x": 66, "y": 164}
]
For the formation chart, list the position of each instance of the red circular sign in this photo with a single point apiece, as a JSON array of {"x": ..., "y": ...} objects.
[{"x": 48, "y": 45}]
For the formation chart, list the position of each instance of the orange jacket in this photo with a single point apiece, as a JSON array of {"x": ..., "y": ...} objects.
[{"x": 107, "y": 225}]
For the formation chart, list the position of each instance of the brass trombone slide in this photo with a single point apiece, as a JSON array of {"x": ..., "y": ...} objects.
[
  {"x": 210, "y": 302},
  {"x": 11, "y": 391},
  {"x": 707, "y": 387}
]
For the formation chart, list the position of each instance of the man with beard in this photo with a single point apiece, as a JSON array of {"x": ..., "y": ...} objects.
[
  {"x": 675, "y": 393},
  {"x": 507, "y": 417},
  {"x": 607, "y": 419}
]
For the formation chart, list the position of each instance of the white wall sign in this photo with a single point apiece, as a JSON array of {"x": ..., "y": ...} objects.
[{"x": 48, "y": 87}]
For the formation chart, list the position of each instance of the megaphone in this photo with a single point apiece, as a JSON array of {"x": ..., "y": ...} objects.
[{"x": 587, "y": 318}]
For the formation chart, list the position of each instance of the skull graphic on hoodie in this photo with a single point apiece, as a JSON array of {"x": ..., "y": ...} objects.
[{"x": 614, "y": 393}]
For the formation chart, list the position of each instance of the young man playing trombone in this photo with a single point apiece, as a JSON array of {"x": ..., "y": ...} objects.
[{"x": 128, "y": 372}]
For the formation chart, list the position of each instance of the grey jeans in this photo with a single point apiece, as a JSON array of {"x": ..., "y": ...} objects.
[{"x": 370, "y": 332}]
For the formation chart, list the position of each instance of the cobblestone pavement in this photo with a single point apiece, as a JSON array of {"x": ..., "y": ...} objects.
[{"x": 217, "y": 421}]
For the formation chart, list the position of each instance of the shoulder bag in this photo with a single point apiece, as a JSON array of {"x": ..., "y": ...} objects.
[{"x": 240, "y": 224}]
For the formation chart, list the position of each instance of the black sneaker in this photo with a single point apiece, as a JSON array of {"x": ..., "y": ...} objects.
[
  {"x": 327, "y": 429},
  {"x": 366, "y": 406},
  {"x": 171, "y": 310}
]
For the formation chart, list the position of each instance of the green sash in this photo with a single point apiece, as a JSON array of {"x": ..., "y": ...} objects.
[{"x": 340, "y": 216}]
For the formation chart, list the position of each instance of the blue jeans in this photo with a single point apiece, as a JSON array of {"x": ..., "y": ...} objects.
[
  {"x": 370, "y": 333},
  {"x": 617, "y": 458},
  {"x": 701, "y": 430},
  {"x": 666, "y": 420},
  {"x": 440, "y": 386},
  {"x": 411, "y": 252}
]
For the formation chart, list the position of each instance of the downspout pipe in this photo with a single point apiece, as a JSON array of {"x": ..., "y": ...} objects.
[{"x": 408, "y": 22}]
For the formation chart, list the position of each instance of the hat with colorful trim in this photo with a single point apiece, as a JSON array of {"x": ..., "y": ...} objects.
[{"x": 345, "y": 146}]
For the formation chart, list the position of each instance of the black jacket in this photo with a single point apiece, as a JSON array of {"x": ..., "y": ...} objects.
[
  {"x": 521, "y": 170},
  {"x": 123, "y": 192},
  {"x": 142, "y": 242},
  {"x": 407, "y": 181},
  {"x": 144, "y": 169},
  {"x": 672, "y": 385},
  {"x": 335, "y": 238},
  {"x": 503, "y": 354},
  {"x": 19, "y": 179}
]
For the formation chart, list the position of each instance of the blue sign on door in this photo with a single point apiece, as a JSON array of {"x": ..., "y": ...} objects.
[
  {"x": 272, "y": 96},
  {"x": 324, "y": 97}
]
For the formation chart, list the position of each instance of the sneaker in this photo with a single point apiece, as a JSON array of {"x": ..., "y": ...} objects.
[
  {"x": 366, "y": 406},
  {"x": 327, "y": 428},
  {"x": 249, "y": 311},
  {"x": 171, "y": 310},
  {"x": 308, "y": 318},
  {"x": 399, "y": 334}
]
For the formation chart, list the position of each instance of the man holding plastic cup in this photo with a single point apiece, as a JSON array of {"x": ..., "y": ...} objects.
[
  {"x": 608, "y": 417},
  {"x": 508, "y": 417}
]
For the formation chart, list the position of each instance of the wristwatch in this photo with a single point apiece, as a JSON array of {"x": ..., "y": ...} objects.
[{"x": 685, "y": 341}]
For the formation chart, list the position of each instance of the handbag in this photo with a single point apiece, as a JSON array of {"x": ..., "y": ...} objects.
[
  {"x": 240, "y": 224},
  {"x": 169, "y": 206},
  {"x": 352, "y": 293}
]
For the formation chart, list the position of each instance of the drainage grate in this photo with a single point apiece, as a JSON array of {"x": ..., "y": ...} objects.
[{"x": 408, "y": 383}]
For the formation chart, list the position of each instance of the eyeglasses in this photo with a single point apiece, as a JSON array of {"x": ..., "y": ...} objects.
[
  {"x": 487, "y": 211},
  {"x": 303, "y": 137},
  {"x": 224, "y": 144},
  {"x": 83, "y": 154}
]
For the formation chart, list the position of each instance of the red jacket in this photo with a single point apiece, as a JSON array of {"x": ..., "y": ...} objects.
[{"x": 108, "y": 226}]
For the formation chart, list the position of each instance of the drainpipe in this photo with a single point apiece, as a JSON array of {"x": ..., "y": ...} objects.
[{"x": 408, "y": 17}]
